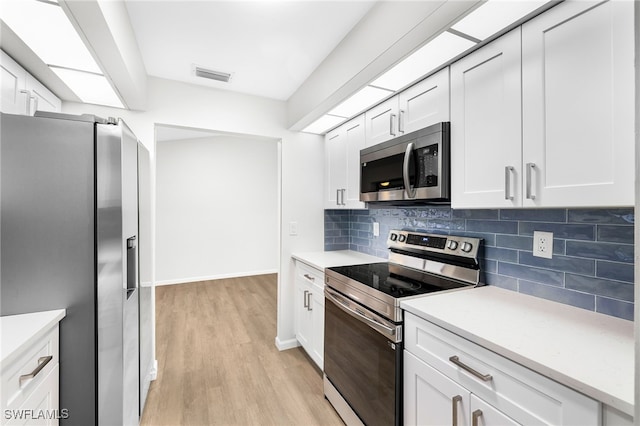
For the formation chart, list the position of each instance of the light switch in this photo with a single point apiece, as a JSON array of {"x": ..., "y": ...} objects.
[
  {"x": 376, "y": 229},
  {"x": 293, "y": 228}
]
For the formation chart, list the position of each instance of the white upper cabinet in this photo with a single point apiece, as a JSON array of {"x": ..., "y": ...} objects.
[
  {"x": 544, "y": 116},
  {"x": 578, "y": 105},
  {"x": 381, "y": 122},
  {"x": 21, "y": 92},
  {"x": 486, "y": 141},
  {"x": 419, "y": 106},
  {"x": 42, "y": 99},
  {"x": 15, "y": 99},
  {"x": 424, "y": 103},
  {"x": 342, "y": 165}
]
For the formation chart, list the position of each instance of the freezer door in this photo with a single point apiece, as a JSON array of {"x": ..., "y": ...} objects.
[
  {"x": 131, "y": 378},
  {"x": 117, "y": 225},
  {"x": 111, "y": 277}
]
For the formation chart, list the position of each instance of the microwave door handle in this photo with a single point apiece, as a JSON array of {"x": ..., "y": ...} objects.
[{"x": 411, "y": 192}]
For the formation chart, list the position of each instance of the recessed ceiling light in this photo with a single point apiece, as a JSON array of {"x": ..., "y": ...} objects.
[
  {"x": 322, "y": 124},
  {"x": 91, "y": 88},
  {"x": 438, "y": 51},
  {"x": 495, "y": 15},
  {"x": 360, "y": 101},
  {"x": 45, "y": 28}
]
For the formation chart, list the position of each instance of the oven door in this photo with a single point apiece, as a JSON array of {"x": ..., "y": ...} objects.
[{"x": 363, "y": 359}]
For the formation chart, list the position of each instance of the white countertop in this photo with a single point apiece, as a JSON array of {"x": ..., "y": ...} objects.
[
  {"x": 586, "y": 351},
  {"x": 327, "y": 259},
  {"x": 20, "y": 331}
]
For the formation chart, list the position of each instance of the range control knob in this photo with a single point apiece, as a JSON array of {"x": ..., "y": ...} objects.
[
  {"x": 452, "y": 245},
  {"x": 466, "y": 247},
  {"x": 402, "y": 238},
  {"x": 393, "y": 237}
]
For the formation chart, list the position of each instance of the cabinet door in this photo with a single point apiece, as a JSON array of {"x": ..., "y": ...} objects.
[
  {"x": 303, "y": 314},
  {"x": 42, "y": 98},
  {"x": 483, "y": 414},
  {"x": 354, "y": 138},
  {"x": 430, "y": 398},
  {"x": 381, "y": 122},
  {"x": 316, "y": 304},
  {"x": 578, "y": 104},
  {"x": 14, "y": 99},
  {"x": 335, "y": 168},
  {"x": 425, "y": 103},
  {"x": 41, "y": 407},
  {"x": 486, "y": 126}
]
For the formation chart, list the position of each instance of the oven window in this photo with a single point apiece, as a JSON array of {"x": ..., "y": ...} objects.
[{"x": 363, "y": 365}]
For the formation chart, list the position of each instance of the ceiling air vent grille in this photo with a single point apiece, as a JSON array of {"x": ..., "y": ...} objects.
[{"x": 212, "y": 75}]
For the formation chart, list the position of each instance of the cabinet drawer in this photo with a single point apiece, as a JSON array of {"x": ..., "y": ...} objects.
[
  {"x": 520, "y": 393},
  {"x": 14, "y": 390},
  {"x": 310, "y": 274}
]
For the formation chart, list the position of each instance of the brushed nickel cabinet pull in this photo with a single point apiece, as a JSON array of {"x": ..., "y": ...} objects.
[
  {"x": 530, "y": 194},
  {"x": 401, "y": 121},
  {"x": 309, "y": 277},
  {"x": 485, "y": 377},
  {"x": 508, "y": 172},
  {"x": 391, "y": 118},
  {"x": 454, "y": 409},
  {"x": 42, "y": 361},
  {"x": 309, "y": 305},
  {"x": 306, "y": 302},
  {"x": 28, "y": 104},
  {"x": 475, "y": 416}
]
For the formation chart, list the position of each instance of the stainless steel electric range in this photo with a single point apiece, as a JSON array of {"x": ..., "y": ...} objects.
[{"x": 363, "y": 319}]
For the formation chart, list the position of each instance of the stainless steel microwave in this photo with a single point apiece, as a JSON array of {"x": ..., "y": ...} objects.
[{"x": 414, "y": 167}]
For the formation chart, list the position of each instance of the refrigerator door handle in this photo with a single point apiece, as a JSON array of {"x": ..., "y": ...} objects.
[{"x": 132, "y": 273}]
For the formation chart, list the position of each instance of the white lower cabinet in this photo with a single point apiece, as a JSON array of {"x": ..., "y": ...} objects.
[
  {"x": 309, "y": 311},
  {"x": 30, "y": 384},
  {"x": 450, "y": 380}
]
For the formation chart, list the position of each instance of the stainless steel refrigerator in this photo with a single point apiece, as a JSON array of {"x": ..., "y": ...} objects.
[{"x": 69, "y": 238}]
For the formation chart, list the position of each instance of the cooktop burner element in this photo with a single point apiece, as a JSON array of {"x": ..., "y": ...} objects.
[{"x": 418, "y": 264}]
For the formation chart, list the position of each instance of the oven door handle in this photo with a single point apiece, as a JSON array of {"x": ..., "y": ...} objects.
[{"x": 394, "y": 333}]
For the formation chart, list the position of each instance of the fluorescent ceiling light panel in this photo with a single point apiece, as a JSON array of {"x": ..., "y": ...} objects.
[
  {"x": 430, "y": 56},
  {"x": 495, "y": 15},
  {"x": 361, "y": 100},
  {"x": 322, "y": 124},
  {"x": 45, "y": 28},
  {"x": 90, "y": 88}
]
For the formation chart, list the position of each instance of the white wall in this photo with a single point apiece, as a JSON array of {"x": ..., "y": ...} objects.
[
  {"x": 216, "y": 208},
  {"x": 180, "y": 104}
]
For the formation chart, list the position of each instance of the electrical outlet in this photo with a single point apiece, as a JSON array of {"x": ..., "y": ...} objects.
[{"x": 543, "y": 244}]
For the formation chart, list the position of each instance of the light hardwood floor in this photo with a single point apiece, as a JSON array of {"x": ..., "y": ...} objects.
[{"x": 218, "y": 364}]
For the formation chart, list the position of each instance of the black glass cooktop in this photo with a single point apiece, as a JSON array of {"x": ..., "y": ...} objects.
[{"x": 395, "y": 280}]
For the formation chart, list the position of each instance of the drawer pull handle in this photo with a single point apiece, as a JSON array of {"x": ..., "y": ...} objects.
[
  {"x": 454, "y": 407},
  {"x": 485, "y": 377},
  {"x": 475, "y": 416},
  {"x": 309, "y": 277},
  {"x": 42, "y": 361}
]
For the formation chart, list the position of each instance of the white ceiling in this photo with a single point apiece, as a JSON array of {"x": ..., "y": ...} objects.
[{"x": 269, "y": 47}]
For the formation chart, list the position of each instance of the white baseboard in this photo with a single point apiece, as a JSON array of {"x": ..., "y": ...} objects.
[
  {"x": 153, "y": 374},
  {"x": 215, "y": 277},
  {"x": 283, "y": 345}
]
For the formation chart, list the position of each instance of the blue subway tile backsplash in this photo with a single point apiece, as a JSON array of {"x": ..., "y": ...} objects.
[{"x": 593, "y": 253}]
